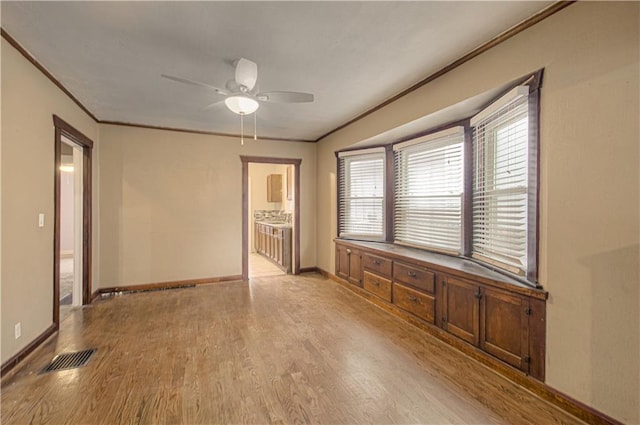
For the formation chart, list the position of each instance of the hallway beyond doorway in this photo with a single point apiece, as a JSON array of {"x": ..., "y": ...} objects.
[{"x": 261, "y": 267}]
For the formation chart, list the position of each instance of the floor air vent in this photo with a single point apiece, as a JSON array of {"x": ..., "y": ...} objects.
[{"x": 69, "y": 361}]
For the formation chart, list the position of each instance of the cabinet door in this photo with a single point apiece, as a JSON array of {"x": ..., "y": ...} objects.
[
  {"x": 274, "y": 188},
  {"x": 272, "y": 243},
  {"x": 504, "y": 327},
  {"x": 342, "y": 262},
  {"x": 279, "y": 254},
  {"x": 286, "y": 249},
  {"x": 355, "y": 267},
  {"x": 267, "y": 241},
  {"x": 256, "y": 237},
  {"x": 460, "y": 312}
]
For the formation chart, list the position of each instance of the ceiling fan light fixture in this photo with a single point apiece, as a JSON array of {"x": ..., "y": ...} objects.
[{"x": 241, "y": 105}]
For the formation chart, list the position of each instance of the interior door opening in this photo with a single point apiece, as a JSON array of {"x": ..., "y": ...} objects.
[
  {"x": 270, "y": 216},
  {"x": 72, "y": 222},
  {"x": 271, "y": 211},
  {"x": 71, "y": 200}
]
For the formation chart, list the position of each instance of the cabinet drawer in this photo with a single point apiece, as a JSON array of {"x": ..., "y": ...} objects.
[
  {"x": 422, "y": 305},
  {"x": 377, "y": 264},
  {"x": 377, "y": 285},
  {"x": 414, "y": 276}
]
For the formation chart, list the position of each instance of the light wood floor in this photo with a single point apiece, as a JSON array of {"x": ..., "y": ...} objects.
[
  {"x": 277, "y": 350},
  {"x": 259, "y": 266}
]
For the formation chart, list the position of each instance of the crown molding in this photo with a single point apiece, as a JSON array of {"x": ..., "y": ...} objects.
[
  {"x": 209, "y": 133},
  {"x": 504, "y": 36},
  {"x": 28, "y": 56}
]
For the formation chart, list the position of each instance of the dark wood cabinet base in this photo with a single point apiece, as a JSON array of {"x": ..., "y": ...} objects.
[
  {"x": 537, "y": 386},
  {"x": 274, "y": 244},
  {"x": 494, "y": 319}
]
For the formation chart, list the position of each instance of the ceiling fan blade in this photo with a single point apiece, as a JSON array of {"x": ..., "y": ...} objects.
[
  {"x": 246, "y": 73},
  {"x": 213, "y": 105},
  {"x": 195, "y": 83},
  {"x": 285, "y": 97}
]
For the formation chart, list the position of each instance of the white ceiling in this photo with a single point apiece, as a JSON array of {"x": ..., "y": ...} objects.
[{"x": 351, "y": 55}]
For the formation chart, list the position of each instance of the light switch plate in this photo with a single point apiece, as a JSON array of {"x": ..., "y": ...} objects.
[{"x": 40, "y": 220}]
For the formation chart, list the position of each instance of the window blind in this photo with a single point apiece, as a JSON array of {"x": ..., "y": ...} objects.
[
  {"x": 501, "y": 182},
  {"x": 428, "y": 191},
  {"x": 361, "y": 194}
]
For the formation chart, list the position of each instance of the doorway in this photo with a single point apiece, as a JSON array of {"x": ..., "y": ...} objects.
[
  {"x": 70, "y": 227},
  {"x": 270, "y": 216},
  {"x": 72, "y": 222}
]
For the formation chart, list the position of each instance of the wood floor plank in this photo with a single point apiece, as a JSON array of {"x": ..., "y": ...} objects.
[{"x": 280, "y": 349}]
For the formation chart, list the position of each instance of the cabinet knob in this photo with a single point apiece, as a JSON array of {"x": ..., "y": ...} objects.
[
  {"x": 411, "y": 274},
  {"x": 376, "y": 262},
  {"x": 348, "y": 252},
  {"x": 412, "y": 299}
]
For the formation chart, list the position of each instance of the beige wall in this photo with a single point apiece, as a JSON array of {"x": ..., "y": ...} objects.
[
  {"x": 172, "y": 201},
  {"x": 589, "y": 188},
  {"x": 29, "y": 101}
]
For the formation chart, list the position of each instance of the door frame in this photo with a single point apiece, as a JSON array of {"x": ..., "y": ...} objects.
[
  {"x": 246, "y": 160},
  {"x": 62, "y": 128}
]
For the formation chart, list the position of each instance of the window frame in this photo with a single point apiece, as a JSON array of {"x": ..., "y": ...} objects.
[
  {"x": 528, "y": 272},
  {"x": 366, "y": 152},
  {"x": 421, "y": 145}
]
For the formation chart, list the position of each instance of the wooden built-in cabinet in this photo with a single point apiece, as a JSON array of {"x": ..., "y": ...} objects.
[
  {"x": 460, "y": 309},
  {"x": 348, "y": 264},
  {"x": 274, "y": 242},
  {"x": 503, "y": 318},
  {"x": 493, "y": 319},
  {"x": 274, "y": 188},
  {"x": 504, "y": 326}
]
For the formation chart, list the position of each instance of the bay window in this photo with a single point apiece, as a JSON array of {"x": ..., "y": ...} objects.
[{"x": 469, "y": 190}]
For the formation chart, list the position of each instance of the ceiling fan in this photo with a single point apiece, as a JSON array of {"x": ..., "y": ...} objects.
[{"x": 241, "y": 93}]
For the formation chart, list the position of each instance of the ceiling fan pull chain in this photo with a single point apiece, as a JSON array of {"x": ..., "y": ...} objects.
[
  {"x": 255, "y": 126},
  {"x": 241, "y": 130}
]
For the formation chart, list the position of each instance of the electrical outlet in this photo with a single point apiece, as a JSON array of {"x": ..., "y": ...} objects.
[{"x": 18, "y": 330}]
